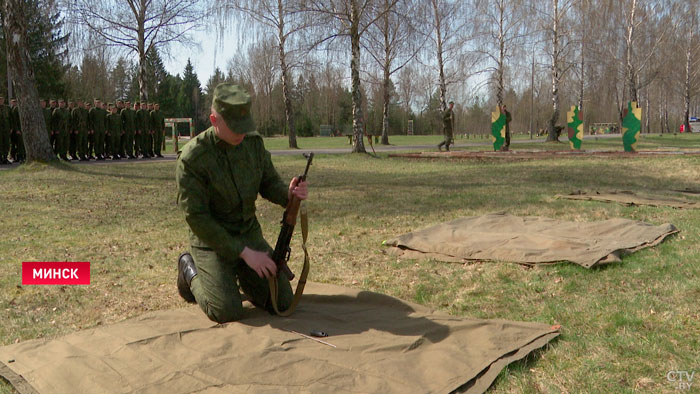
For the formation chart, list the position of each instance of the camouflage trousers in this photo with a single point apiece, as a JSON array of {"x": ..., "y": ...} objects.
[{"x": 216, "y": 286}]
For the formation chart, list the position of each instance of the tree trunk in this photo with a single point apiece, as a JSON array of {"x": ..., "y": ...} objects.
[
  {"x": 143, "y": 92},
  {"x": 387, "y": 81},
  {"x": 552, "y": 136},
  {"x": 34, "y": 135},
  {"x": 358, "y": 145},
  {"x": 288, "y": 110},
  {"x": 629, "y": 55},
  {"x": 688, "y": 64},
  {"x": 501, "y": 54},
  {"x": 441, "y": 64}
]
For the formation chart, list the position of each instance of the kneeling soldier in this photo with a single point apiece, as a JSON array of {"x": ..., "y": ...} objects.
[{"x": 219, "y": 175}]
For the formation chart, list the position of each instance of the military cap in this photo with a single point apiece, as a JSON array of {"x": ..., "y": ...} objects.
[
  {"x": 233, "y": 103},
  {"x": 451, "y": 102}
]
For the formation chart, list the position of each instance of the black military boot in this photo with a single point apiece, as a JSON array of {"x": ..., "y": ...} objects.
[{"x": 186, "y": 270}]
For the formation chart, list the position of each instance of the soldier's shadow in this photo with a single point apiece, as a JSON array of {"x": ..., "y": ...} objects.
[
  {"x": 86, "y": 168},
  {"x": 346, "y": 315}
]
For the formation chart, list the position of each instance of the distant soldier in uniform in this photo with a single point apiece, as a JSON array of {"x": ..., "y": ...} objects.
[
  {"x": 53, "y": 104},
  {"x": 114, "y": 126},
  {"x": 97, "y": 118},
  {"x": 158, "y": 126},
  {"x": 4, "y": 132},
  {"x": 509, "y": 118},
  {"x": 143, "y": 124},
  {"x": 448, "y": 121},
  {"x": 219, "y": 175},
  {"x": 151, "y": 133},
  {"x": 80, "y": 116},
  {"x": 137, "y": 129},
  {"x": 60, "y": 124},
  {"x": 17, "y": 148},
  {"x": 128, "y": 122},
  {"x": 72, "y": 131},
  {"x": 91, "y": 132}
]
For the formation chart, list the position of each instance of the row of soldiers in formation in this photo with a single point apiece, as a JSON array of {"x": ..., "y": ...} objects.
[{"x": 84, "y": 132}]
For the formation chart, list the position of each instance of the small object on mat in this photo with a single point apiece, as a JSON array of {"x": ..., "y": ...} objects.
[
  {"x": 312, "y": 338},
  {"x": 318, "y": 333}
]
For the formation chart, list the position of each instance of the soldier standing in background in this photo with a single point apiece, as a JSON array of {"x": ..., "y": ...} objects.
[
  {"x": 448, "y": 121},
  {"x": 72, "y": 131},
  {"x": 143, "y": 120},
  {"x": 120, "y": 147},
  {"x": 4, "y": 131},
  {"x": 97, "y": 118},
  {"x": 149, "y": 122},
  {"x": 138, "y": 132},
  {"x": 114, "y": 127},
  {"x": 158, "y": 125},
  {"x": 91, "y": 132},
  {"x": 60, "y": 119},
  {"x": 17, "y": 148},
  {"x": 128, "y": 118},
  {"x": 49, "y": 125},
  {"x": 80, "y": 115}
]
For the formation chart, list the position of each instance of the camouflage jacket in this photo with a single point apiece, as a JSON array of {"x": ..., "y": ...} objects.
[{"x": 217, "y": 185}]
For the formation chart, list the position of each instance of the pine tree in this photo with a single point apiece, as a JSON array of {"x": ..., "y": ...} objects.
[{"x": 190, "y": 98}]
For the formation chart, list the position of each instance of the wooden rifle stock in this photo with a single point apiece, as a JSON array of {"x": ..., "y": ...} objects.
[{"x": 289, "y": 219}]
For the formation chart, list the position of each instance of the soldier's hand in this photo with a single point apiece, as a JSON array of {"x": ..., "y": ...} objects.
[
  {"x": 298, "y": 189},
  {"x": 260, "y": 262}
]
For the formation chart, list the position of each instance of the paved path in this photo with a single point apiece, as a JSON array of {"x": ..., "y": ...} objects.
[{"x": 285, "y": 152}]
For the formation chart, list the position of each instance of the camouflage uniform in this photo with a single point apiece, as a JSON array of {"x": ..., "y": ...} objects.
[
  {"x": 60, "y": 124},
  {"x": 128, "y": 123},
  {"x": 448, "y": 121},
  {"x": 158, "y": 126},
  {"x": 114, "y": 126},
  {"x": 218, "y": 184}
]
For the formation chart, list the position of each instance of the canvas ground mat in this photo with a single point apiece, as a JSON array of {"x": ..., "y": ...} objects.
[
  {"x": 530, "y": 240},
  {"x": 631, "y": 198},
  {"x": 375, "y": 344}
]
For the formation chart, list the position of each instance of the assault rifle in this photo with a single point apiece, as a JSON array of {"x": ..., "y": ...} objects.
[{"x": 282, "y": 250}]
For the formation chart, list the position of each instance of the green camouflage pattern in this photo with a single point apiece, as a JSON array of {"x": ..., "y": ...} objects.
[
  {"x": 631, "y": 126},
  {"x": 574, "y": 122},
  {"x": 498, "y": 129}
]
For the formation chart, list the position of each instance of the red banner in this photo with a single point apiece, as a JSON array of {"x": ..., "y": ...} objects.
[{"x": 55, "y": 273}]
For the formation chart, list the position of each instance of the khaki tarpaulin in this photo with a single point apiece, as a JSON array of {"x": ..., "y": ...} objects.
[
  {"x": 375, "y": 344},
  {"x": 632, "y": 198},
  {"x": 530, "y": 240}
]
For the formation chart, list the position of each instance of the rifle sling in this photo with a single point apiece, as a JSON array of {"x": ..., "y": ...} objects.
[{"x": 274, "y": 291}]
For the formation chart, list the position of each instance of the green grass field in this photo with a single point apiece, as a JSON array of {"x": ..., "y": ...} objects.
[
  {"x": 647, "y": 141},
  {"x": 624, "y": 326}
]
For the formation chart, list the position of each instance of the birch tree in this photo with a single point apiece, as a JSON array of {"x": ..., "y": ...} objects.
[
  {"x": 449, "y": 33},
  {"x": 139, "y": 26},
  {"x": 392, "y": 43},
  {"x": 501, "y": 26},
  {"x": 285, "y": 20},
  {"x": 350, "y": 19},
  {"x": 559, "y": 51}
]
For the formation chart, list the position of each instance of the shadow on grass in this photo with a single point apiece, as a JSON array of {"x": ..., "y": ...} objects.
[{"x": 83, "y": 169}]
